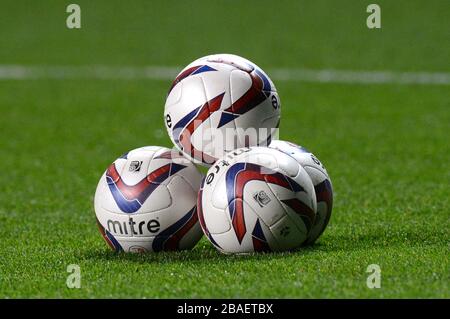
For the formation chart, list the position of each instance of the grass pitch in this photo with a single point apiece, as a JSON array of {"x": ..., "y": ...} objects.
[{"x": 385, "y": 146}]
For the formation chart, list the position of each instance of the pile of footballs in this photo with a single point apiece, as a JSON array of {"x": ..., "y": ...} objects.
[{"x": 259, "y": 194}]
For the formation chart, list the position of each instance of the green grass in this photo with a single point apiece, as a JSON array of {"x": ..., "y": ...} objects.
[{"x": 385, "y": 147}]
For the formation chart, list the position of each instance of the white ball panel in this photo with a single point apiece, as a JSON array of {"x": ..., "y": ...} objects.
[
  {"x": 158, "y": 200},
  {"x": 216, "y": 220},
  {"x": 103, "y": 199},
  {"x": 193, "y": 95},
  {"x": 263, "y": 118},
  {"x": 174, "y": 97},
  {"x": 228, "y": 240},
  {"x": 316, "y": 174},
  {"x": 240, "y": 82},
  {"x": 287, "y": 234},
  {"x": 217, "y": 82},
  {"x": 218, "y": 195}
]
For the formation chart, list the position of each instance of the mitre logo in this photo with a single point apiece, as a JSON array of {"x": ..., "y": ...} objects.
[{"x": 131, "y": 227}]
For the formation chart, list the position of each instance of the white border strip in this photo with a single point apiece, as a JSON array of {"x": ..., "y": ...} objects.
[{"x": 22, "y": 72}]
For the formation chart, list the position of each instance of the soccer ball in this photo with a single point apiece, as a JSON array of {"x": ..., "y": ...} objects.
[
  {"x": 219, "y": 103},
  {"x": 320, "y": 179},
  {"x": 146, "y": 201},
  {"x": 256, "y": 199}
]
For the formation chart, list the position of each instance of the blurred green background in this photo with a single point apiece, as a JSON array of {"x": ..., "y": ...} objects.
[{"x": 312, "y": 34}]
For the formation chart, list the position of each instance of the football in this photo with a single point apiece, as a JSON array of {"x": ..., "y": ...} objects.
[
  {"x": 146, "y": 201},
  {"x": 321, "y": 181},
  {"x": 256, "y": 199},
  {"x": 219, "y": 103}
]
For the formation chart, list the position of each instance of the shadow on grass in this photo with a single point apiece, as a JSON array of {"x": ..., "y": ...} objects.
[
  {"x": 200, "y": 254},
  {"x": 360, "y": 240},
  {"x": 383, "y": 237}
]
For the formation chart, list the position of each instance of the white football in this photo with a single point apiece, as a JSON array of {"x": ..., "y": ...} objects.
[
  {"x": 321, "y": 180},
  {"x": 219, "y": 103},
  {"x": 146, "y": 201},
  {"x": 256, "y": 199}
]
